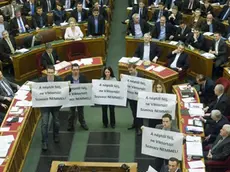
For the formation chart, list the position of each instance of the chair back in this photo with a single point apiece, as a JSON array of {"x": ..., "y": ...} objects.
[
  {"x": 225, "y": 82},
  {"x": 77, "y": 50}
]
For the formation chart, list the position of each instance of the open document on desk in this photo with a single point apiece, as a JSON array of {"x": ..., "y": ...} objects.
[
  {"x": 194, "y": 149},
  {"x": 5, "y": 144}
]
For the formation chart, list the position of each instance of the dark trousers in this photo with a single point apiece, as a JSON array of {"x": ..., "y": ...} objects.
[
  {"x": 137, "y": 122},
  {"x": 79, "y": 116},
  {"x": 159, "y": 163},
  {"x": 154, "y": 122},
  {"x": 105, "y": 115},
  {"x": 45, "y": 112}
]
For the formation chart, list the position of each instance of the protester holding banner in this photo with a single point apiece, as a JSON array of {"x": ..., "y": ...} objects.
[
  {"x": 45, "y": 112},
  {"x": 173, "y": 166},
  {"x": 76, "y": 78},
  {"x": 108, "y": 75}
]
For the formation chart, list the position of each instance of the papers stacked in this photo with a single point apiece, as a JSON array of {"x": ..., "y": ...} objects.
[
  {"x": 5, "y": 144},
  {"x": 1, "y": 160},
  {"x": 139, "y": 62},
  {"x": 3, "y": 129},
  {"x": 196, "y": 164},
  {"x": 23, "y": 103},
  {"x": 16, "y": 111},
  {"x": 62, "y": 65},
  {"x": 134, "y": 60},
  {"x": 23, "y": 50},
  {"x": 183, "y": 87},
  {"x": 194, "y": 129},
  {"x": 193, "y": 139},
  {"x": 64, "y": 23},
  {"x": 196, "y": 109},
  {"x": 195, "y": 122},
  {"x": 20, "y": 119},
  {"x": 194, "y": 149},
  {"x": 21, "y": 94},
  {"x": 124, "y": 60},
  {"x": 196, "y": 105},
  {"x": 25, "y": 87},
  {"x": 87, "y": 61},
  {"x": 77, "y": 62},
  {"x": 207, "y": 33},
  {"x": 150, "y": 68},
  {"x": 159, "y": 69},
  {"x": 208, "y": 55},
  {"x": 173, "y": 42},
  {"x": 188, "y": 100}
]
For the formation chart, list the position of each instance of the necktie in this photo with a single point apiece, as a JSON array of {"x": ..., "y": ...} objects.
[
  {"x": 32, "y": 9},
  {"x": 83, "y": 4},
  {"x": 101, "y": 3},
  {"x": 48, "y": 5},
  {"x": 13, "y": 10},
  {"x": 67, "y": 4},
  {"x": 79, "y": 17},
  {"x": 96, "y": 25},
  {"x": 215, "y": 146},
  {"x": 21, "y": 25},
  {"x": 210, "y": 28},
  {"x": 41, "y": 22},
  {"x": 52, "y": 58},
  {"x": 10, "y": 45},
  {"x": 190, "y": 4},
  {"x": 226, "y": 14},
  {"x": 141, "y": 11},
  {"x": 8, "y": 90}
]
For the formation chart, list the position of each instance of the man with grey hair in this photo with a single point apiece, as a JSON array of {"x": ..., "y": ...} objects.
[
  {"x": 221, "y": 103},
  {"x": 220, "y": 149},
  {"x": 213, "y": 126}
]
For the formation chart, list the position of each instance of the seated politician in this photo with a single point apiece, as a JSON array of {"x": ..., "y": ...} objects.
[
  {"x": 96, "y": 24},
  {"x": 59, "y": 14},
  {"x": 196, "y": 19},
  {"x": 178, "y": 59},
  {"x": 49, "y": 57},
  {"x": 225, "y": 12},
  {"x": 163, "y": 30},
  {"x": 220, "y": 149},
  {"x": 39, "y": 19},
  {"x": 159, "y": 12},
  {"x": 79, "y": 13},
  {"x": 206, "y": 8},
  {"x": 174, "y": 16},
  {"x": 147, "y": 50},
  {"x": 33, "y": 40},
  {"x": 210, "y": 25},
  {"x": 173, "y": 166},
  {"x": 137, "y": 27},
  {"x": 195, "y": 40},
  {"x": 141, "y": 10},
  {"x": 102, "y": 10},
  {"x": 29, "y": 8},
  {"x": 182, "y": 32},
  {"x": 73, "y": 32}
]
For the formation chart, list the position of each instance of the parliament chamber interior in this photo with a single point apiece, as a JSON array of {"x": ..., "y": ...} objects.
[{"x": 161, "y": 67}]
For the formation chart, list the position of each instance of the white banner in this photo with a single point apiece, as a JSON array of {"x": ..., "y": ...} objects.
[
  {"x": 155, "y": 105},
  {"x": 80, "y": 95},
  {"x": 136, "y": 84},
  {"x": 162, "y": 143},
  {"x": 109, "y": 92},
  {"x": 50, "y": 94}
]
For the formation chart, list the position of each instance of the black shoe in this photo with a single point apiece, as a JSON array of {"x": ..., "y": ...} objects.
[
  {"x": 70, "y": 128},
  {"x": 85, "y": 127},
  {"x": 139, "y": 132},
  {"x": 56, "y": 139},
  {"x": 132, "y": 127},
  {"x": 123, "y": 22},
  {"x": 44, "y": 146},
  {"x": 105, "y": 126},
  {"x": 113, "y": 126}
]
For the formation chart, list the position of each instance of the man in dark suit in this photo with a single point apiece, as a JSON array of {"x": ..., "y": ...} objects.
[
  {"x": 3, "y": 25},
  {"x": 163, "y": 30},
  {"x": 210, "y": 25},
  {"x": 141, "y": 10},
  {"x": 173, "y": 166},
  {"x": 33, "y": 40},
  {"x": 175, "y": 16},
  {"x": 8, "y": 46},
  {"x": 147, "y": 50},
  {"x": 102, "y": 10},
  {"x": 220, "y": 149},
  {"x": 86, "y": 3},
  {"x": 45, "y": 111},
  {"x": 219, "y": 49},
  {"x": 159, "y": 12},
  {"x": 49, "y": 57},
  {"x": 79, "y": 13},
  {"x": 39, "y": 19},
  {"x": 206, "y": 91},
  {"x": 96, "y": 24},
  {"x": 190, "y": 5},
  {"x": 182, "y": 32},
  {"x": 195, "y": 39},
  {"x": 178, "y": 59},
  {"x": 18, "y": 24},
  {"x": 213, "y": 126},
  {"x": 137, "y": 27},
  {"x": 48, "y": 5},
  {"x": 225, "y": 12},
  {"x": 221, "y": 103},
  {"x": 76, "y": 78},
  {"x": 29, "y": 8}
]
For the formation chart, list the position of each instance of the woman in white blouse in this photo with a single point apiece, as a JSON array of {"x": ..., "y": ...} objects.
[{"x": 73, "y": 32}]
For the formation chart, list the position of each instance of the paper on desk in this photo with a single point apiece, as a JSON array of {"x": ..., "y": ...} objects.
[
  {"x": 196, "y": 170},
  {"x": 188, "y": 100},
  {"x": 208, "y": 55},
  {"x": 194, "y": 128},
  {"x": 87, "y": 61},
  {"x": 173, "y": 42},
  {"x": 23, "y": 50},
  {"x": 25, "y": 87},
  {"x": 124, "y": 60},
  {"x": 20, "y": 119},
  {"x": 4, "y": 149},
  {"x": 183, "y": 87},
  {"x": 151, "y": 169},
  {"x": 129, "y": 8},
  {"x": 64, "y": 23},
  {"x": 2, "y": 129},
  {"x": 19, "y": 112},
  {"x": 139, "y": 62},
  {"x": 68, "y": 9},
  {"x": 76, "y": 62},
  {"x": 14, "y": 109},
  {"x": 134, "y": 60},
  {"x": 22, "y": 92},
  {"x": 159, "y": 69},
  {"x": 150, "y": 68},
  {"x": 215, "y": 4},
  {"x": 190, "y": 121},
  {"x": 2, "y": 160},
  {"x": 29, "y": 83},
  {"x": 196, "y": 112},
  {"x": 62, "y": 65},
  {"x": 20, "y": 97},
  {"x": 194, "y": 149},
  {"x": 207, "y": 33},
  {"x": 196, "y": 164},
  {"x": 23, "y": 103},
  {"x": 196, "y": 105},
  {"x": 193, "y": 139}
]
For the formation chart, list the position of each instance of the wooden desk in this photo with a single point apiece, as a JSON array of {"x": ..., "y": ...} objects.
[
  {"x": 226, "y": 73},
  {"x": 93, "y": 71},
  {"x": 98, "y": 166},
  {"x": 182, "y": 122},
  {"x": 197, "y": 63},
  {"x": 25, "y": 66},
  {"x": 167, "y": 76},
  {"x": 23, "y": 134}
]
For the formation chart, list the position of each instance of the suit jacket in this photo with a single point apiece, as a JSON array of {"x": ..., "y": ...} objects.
[
  {"x": 196, "y": 4},
  {"x": 153, "y": 51},
  {"x": 160, "y": 126},
  {"x": 14, "y": 25},
  {"x": 88, "y": 5},
  {"x": 102, "y": 11},
  {"x": 46, "y": 61},
  {"x": 167, "y": 3},
  {"x": 157, "y": 30},
  {"x": 91, "y": 26},
  {"x": 223, "y": 12},
  {"x": 215, "y": 25},
  {"x": 166, "y": 169},
  {"x": 28, "y": 42},
  {"x": 199, "y": 44},
  {"x": 84, "y": 15},
  {"x": 205, "y": 11},
  {"x": 59, "y": 17},
  {"x": 182, "y": 61},
  {"x": 26, "y": 8},
  {"x": 221, "y": 105},
  {"x": 193, "y": 24},
  {"x": 222, "y": 151},
  {"x": 144, "y": 14},
  {"x": 72, "y": 3},
  {"x": 36, "y": 20},
  {"x": 82, "y": 78},
  {"x": 222, "y": 50},
  {"x": 156, "y": 15},
  {"x": 5, "y": 49},
  {"x": 177, "y": 19},
  {"x": 45, "y": 6},
  {"x": 3, "y": 93},
  {"x": 182, "y": 36},
  {"x": 7, "y": 11},
  {"x": 144, "y": 27},
  {"x": 207, "y": 91}
]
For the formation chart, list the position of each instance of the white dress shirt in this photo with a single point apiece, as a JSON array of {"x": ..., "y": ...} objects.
[
  {"x": 173, "y": 65},
  {"x": 146, "y": 52},
  {"x": 216, "y": 47},
  {"x": 2, "y": 28},
  {"x": 138, "y": 31},
  {"x": 19, "y": 25},
  {"x": 77, "y": 34}
]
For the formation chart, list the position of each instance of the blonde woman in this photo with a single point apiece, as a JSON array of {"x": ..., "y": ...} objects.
[{"x": 73, "y": 32}]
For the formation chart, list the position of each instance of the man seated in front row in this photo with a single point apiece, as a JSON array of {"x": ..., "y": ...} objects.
[
  {"x": 173, "y": 166},
  {"x": 147, "y": 50},
  {"x": 220, "y": 149}
]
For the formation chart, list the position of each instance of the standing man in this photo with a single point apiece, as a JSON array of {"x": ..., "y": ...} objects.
[
  {"x": 76, "y": 78},
  {"x": 173, "y": 166},
  {"x": 45, "y": 112}
]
